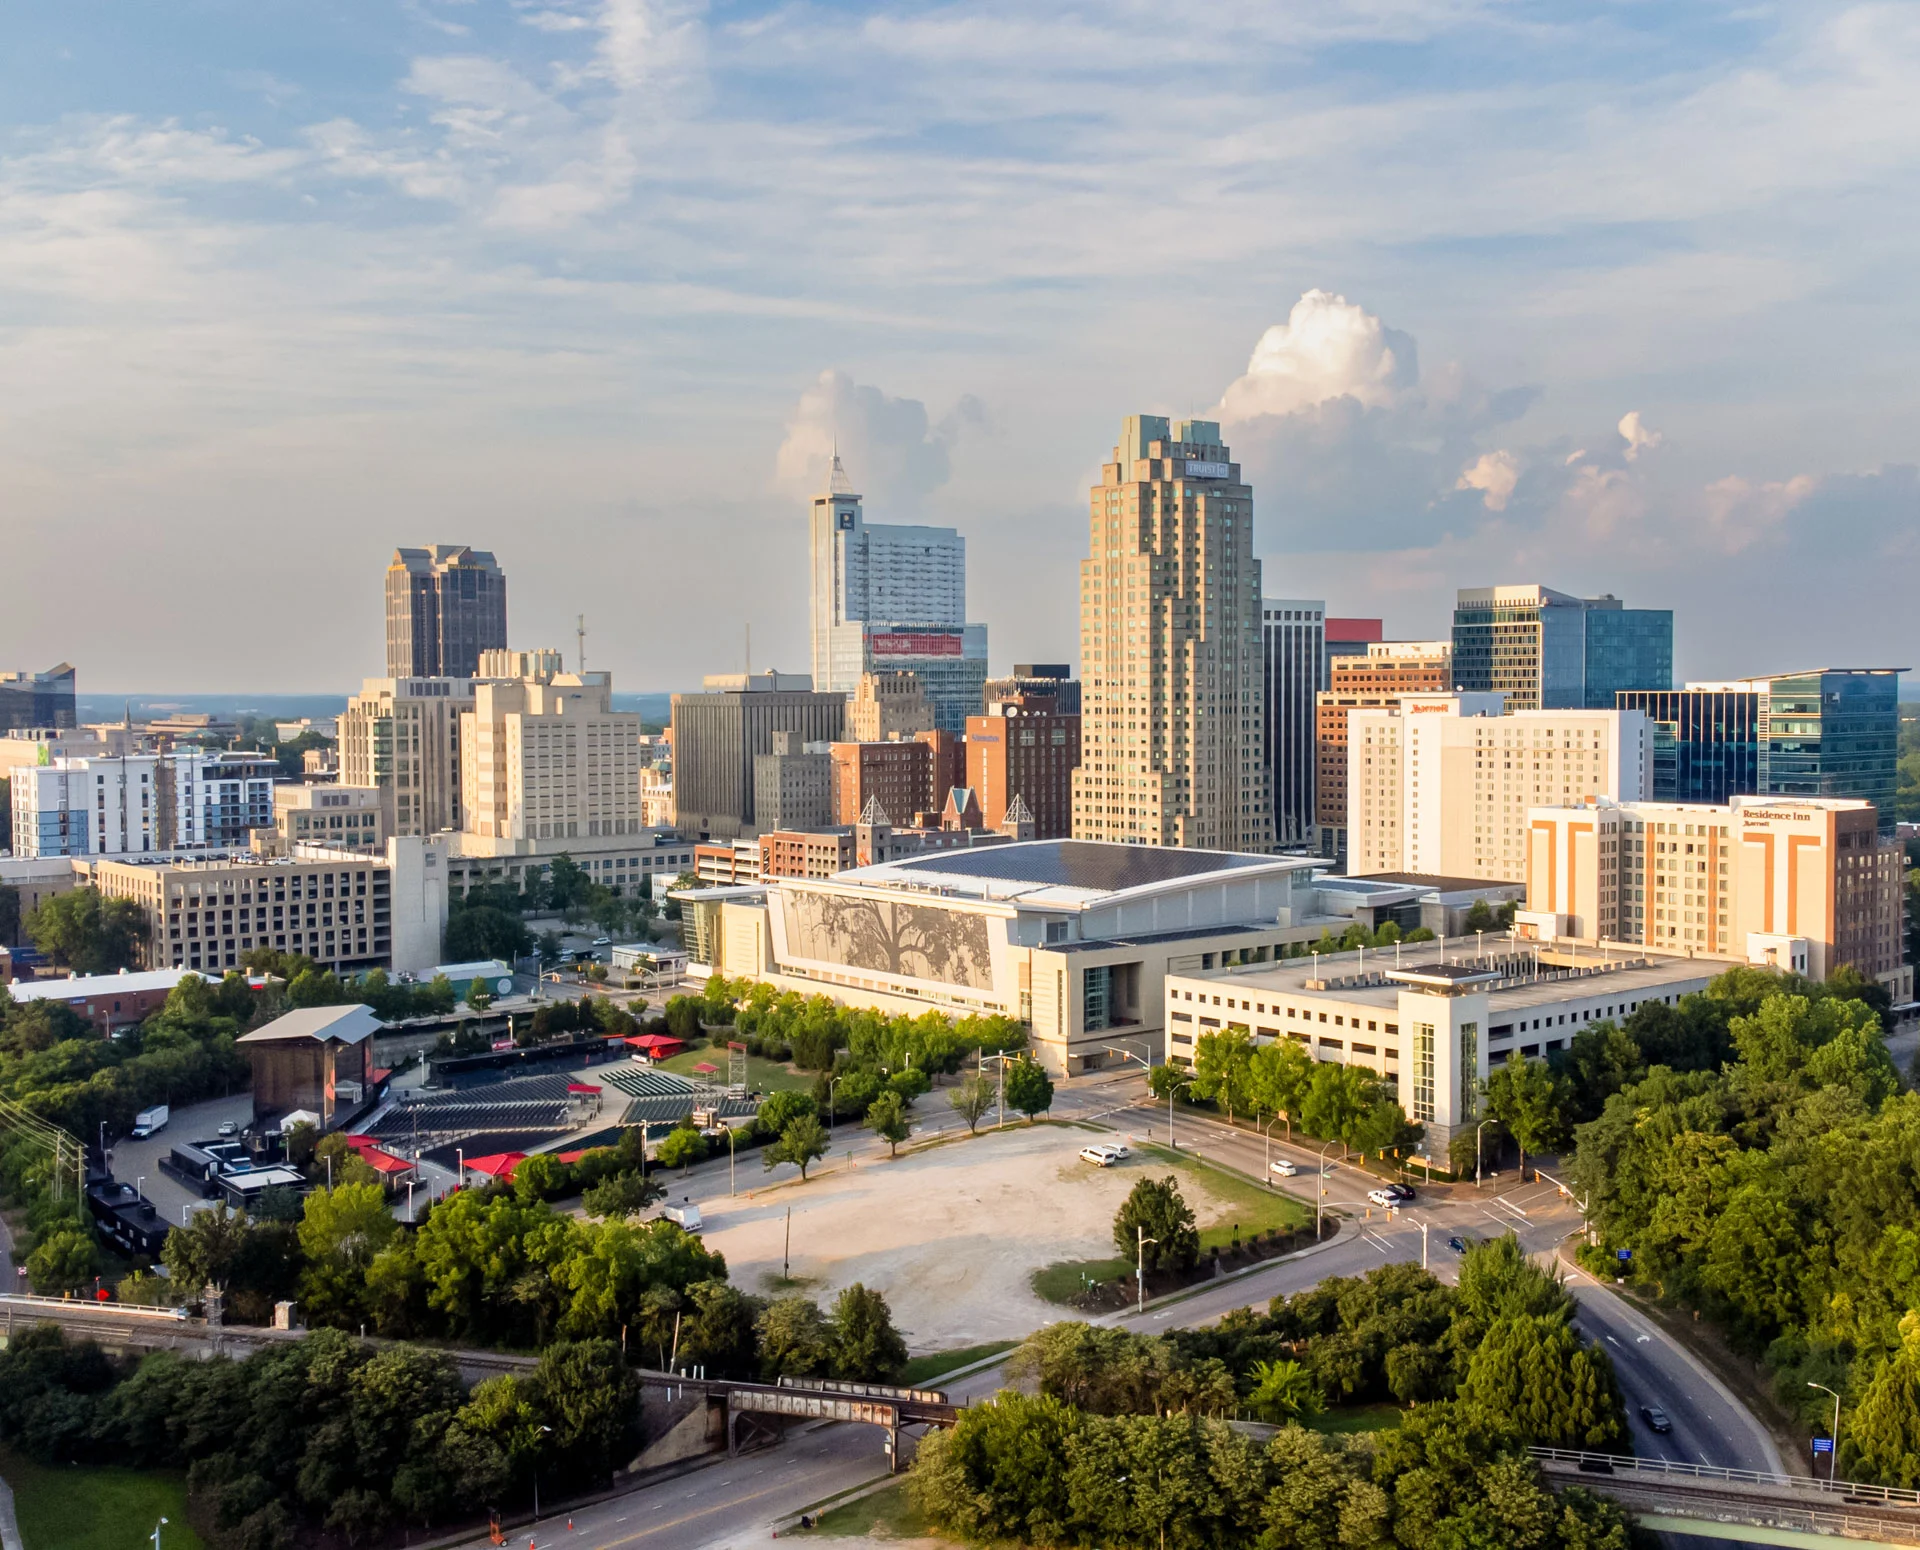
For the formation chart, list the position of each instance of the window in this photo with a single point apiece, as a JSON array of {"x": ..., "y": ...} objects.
[{"x": 1423, "y": 1072}]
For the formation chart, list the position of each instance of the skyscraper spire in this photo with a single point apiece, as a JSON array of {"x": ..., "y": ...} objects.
[{"x": 837, "y": 481}]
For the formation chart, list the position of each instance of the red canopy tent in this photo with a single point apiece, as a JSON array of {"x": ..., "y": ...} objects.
[
  {"x": 497, "y": 1165},
  {"x": 657, "y": 1046}
]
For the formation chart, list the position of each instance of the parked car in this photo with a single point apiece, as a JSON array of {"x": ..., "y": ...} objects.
[
  {"x": 1400, "y": 1191},
  {"x": 1656, "y": 1419},
  {"x": 1383, "y": 1197},
  {"x": 1285, "y": 1169},
  {"x": 1102, "y": 1156},
  {"x": 603, "y": 941},
  {"x": 229, "y": 1129}
]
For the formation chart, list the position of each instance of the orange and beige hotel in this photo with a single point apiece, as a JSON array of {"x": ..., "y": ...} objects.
[{"x": 1802, "y": 883}]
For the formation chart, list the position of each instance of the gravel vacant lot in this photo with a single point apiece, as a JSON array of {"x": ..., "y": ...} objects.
[{"x": 952, "y": 1235}]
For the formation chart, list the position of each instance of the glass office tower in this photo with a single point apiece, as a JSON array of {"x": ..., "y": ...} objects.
[
  {"x": 1706, "y": 740},
  {"x": 1547, "y": 650},
  {"x": 1834, "y": 732}
]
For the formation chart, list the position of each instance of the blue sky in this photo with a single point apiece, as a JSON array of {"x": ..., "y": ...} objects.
[{"x": 1612, "y": 297}]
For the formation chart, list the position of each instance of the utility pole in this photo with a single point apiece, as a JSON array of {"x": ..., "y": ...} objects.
[{"x": 786, "y": 1254}]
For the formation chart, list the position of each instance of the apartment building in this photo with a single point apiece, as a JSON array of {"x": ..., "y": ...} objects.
[
  {"x": 1803, "y": 883},
  {"x": 1440, "y": 784},
  {"x": 1173, "y": 704},
  {"x": 1376, "y": 676},
  {"x": 806, "y": 853},
  {"x": 899, "y": 776},
  {"x": 136, "y": 803},
  {"x": 402, "y": 737},
  {"x": 793, "y": 785}
]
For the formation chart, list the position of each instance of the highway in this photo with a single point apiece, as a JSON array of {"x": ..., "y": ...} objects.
[{"x": 731, "y": 1504}]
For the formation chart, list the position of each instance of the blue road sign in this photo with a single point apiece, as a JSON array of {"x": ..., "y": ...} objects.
[{"x": 1823, "y": 1445}]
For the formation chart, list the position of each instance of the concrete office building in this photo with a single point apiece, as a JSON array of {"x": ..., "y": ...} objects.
[
  {"x": 718, "y": 734},
  {"x": 1032, "y": 682},
  {"x": 1806, "y": 884},
  {"x": 1440, "y": 784},
  {"x": 1546, "y": 650},
  {"x": 402, "y": 736},
  {"x": 34, "y": 879},
  {"x": 884, "y": 706},
  {"x": 548, "y": 760},
  {"x": 1025, "y": 751},
  {"x": 892, "y": 599},
  {"x": 1293, "y": 660},
  {"x": 339, "y": 817},
  {"x": 1379, "y": 676},
  {"x": 1432, "y": 1022},
  {"x": 140, "y": 803},
  {"x": 346, "y": 911},
  {"x": 542, "y": 664},
  {"x": 1829, "y": 732},
  {"x": 793, "y": 785},
  {"x": 446, "y": 604},
  {"x": 38, "y": 701},
  {"x": 618, "y": 862},
  {"x": 1173, "y": 714}
]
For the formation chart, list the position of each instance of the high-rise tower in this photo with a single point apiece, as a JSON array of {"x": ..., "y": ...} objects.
[
  {"x": 892, "y": 599},
  {"x": 1171, "y": 698},
  {"x": 445, "y": 605}
]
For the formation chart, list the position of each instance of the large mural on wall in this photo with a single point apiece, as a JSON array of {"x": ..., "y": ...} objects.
[{"x": 885, "y": 936}]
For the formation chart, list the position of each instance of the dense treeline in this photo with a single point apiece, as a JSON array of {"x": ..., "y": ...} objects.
[
  {"x": 1757, "y": 1158},
  {"x": 1123, "y": 1441},
  {"x": 324, "y": 1431},
  {"x": 818, "y": 1034}
]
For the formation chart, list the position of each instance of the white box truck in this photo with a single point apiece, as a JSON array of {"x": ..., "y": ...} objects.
[
  {"x": 685, "y": 1216},
  {"x": 147, "y": 1121}
]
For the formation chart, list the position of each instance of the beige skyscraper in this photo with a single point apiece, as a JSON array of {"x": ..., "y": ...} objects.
[{"x": 1171, "y": 698}]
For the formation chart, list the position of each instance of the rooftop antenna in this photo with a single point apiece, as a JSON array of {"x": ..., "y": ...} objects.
[
  {"x": 749, "y": 648},
  {"x": 580, "y": 630}
]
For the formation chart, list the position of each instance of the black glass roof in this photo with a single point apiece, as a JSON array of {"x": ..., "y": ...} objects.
[{"x": 1101, "y": 866}]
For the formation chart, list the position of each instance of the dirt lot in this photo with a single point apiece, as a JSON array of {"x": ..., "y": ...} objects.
[{"x": 951, "y": 1235}]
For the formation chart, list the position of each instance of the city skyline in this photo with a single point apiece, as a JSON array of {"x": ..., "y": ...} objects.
[{"x": 610, "y": 279}]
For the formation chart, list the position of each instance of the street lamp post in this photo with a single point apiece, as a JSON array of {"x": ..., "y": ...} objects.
[
  {"x": 1172, "y": 1088},
  {"x": 1833, "y": 1458},
  {"x": 1267, "y": 1132},
  {"x": 155, "y": 1536},
  {"x": 1320, "y": 1198},
  {"x": 1476, "y": 1150},
  {"x": 733, "y": 1138},
  {"x": 536, "y": 1481},
  {"x": 1140, "y": 1265}
]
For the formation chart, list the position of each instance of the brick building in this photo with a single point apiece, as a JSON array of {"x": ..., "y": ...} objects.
[{"x": 1023, "y": 748}]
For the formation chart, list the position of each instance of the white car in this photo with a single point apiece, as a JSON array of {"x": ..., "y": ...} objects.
[
  {"x": 1285, "y": 1169},
  {"x": 1102, "y": 1156},
  {"x": 1383, "y": 1197},
  {"x": 229, "y": 1129}
]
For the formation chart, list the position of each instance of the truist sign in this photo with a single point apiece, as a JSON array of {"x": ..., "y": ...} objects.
[{"x": 1199, "y": 470}]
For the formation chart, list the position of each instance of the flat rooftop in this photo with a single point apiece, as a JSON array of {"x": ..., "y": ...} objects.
[
  {"x": 1071, "y": 872},
  {"x": 1561, "y": 977}
]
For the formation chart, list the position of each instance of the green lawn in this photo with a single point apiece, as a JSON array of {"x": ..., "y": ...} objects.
[
  {"x": 75, "y": 1508},
  {"x": 766, "y": 1076},
  {"x": 889, "y": 1511},
  {"x": 923, "y": 1369},
  {"x": 1061, "y": 1282},
  {"x": 1250, "y": 1207},
  {"x": 1346, "y": 1422}
]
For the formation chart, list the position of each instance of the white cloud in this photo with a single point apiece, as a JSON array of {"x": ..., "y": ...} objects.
[
  {"x": 1494, "y": 474},
  {"x": 1742, "y": 512},
  {"x": 1639, "y": 438},
  {"x": 1327, "y": 348},
  {"x": 891, "y": 451}
]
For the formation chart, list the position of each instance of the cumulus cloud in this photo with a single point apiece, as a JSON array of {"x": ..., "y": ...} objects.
[
  {"x": 894, "y": 453},
  {"x": 1328, "y": 348},
  {"x": 1494, "y": 474},
  {"x": 1639, "y": 438}
]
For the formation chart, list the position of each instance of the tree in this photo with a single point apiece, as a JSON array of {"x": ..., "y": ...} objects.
[
  {"x": 682, "y": 1148},
  {"x": 972, "y": 1098},
  {"x": 1883, "y": 1436},
  {"x": 481, "y": 931},
  {"x": 719, "y": 1332},
  {"x": 887, "y": 1119},
  {"x": 1525, "y": 1097},
  {"x": 341, "y": 1230},
  {"x": 1280, "y": 1074},
  {"x": 1531, "y": 1372},
  {"x": 1029, "y": 1089},
  {"x": 83, "y": 932},
  {"x": 478, "y": 996},
  {"x": 1223, "y": 1069},
  {"x": 795, "y": 1340},
  {"x": 567, "y": 883},
  {"x": 1337, "y": 1100},
  {"x": 1284, "y": 1391},
  {"x": 1164, "y": 1081},
  {"x": 802, "y": 1143},
  {"x": 1481, "y": 918},
  {"x": 864, "y": 1345},
  {"x": 1157, "y": 1206},
  {"x": 9, "y": 897},
  {"x": 910, "y": 1084},
  {"x": 203, "y": 1252},
  {"x": 624, "y": 1194},
  {"x": 62, "y": 1262}
]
